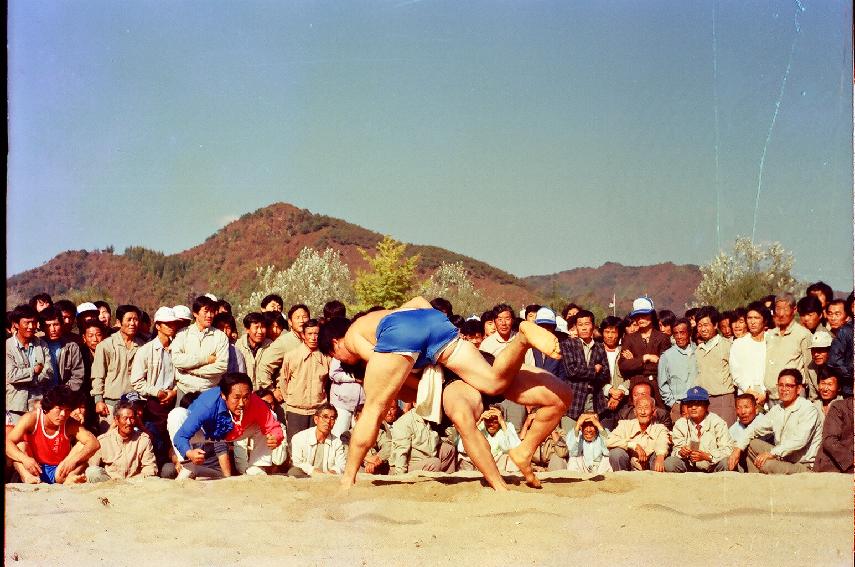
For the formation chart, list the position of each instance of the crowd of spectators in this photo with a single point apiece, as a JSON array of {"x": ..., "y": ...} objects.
[{"x": 93, "y": 395}]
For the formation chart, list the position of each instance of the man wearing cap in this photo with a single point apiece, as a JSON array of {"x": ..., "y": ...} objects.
[
  {"x": 640, "y": 351},
  {"x": 702, "y": 441},
  {"x": 586, "y": 368},
  {"x": 545, "y": 317},
  {"x": 111, "y": 367},
  {"x": 153, "y": 378},
  {"x": 817, "y": 368},
  {"x": 713, "y": 357},
  {"x": 184, "y": 316},
  {"x": 200, "y": 353},
  {"x": 795, "y": 424}
]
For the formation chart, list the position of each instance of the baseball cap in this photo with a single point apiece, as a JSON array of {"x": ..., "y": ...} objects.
[
  {"x": 641, "y": 306},
  {"x": 211, "y": 296},
  {"x": 87, "y": 306},
  {"x": 182, "y": 312},
  {"x": 545, "y": 315},
  {"x": 165, "y": 315},
  {"x": 821, "y": 339},
  {"x": 697, "y": 394}
]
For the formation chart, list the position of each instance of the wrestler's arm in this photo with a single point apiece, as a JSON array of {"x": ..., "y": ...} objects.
[{"x": 417, "y": 303}]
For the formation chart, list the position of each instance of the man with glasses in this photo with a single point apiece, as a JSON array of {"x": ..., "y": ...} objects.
[
  {"x": 796, "y": 428},
  {"x": 316, "y": 450}
]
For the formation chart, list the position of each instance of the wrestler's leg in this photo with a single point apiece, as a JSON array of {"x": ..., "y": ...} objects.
[
  {"x": 537, "y": 387},
  {"x": 384, "y": 375},
  {"x": 462, "y": 404}
]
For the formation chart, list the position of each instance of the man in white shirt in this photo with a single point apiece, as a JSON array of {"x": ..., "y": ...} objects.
[
  {"x": 316, "y": 450},
  {"x": 797, "y": 431},
  {"x": 200, "y": 353},
  {"x": 748, "y": 355}
]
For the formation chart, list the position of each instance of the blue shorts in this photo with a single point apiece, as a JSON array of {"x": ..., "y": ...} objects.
[
  {"x": 420, "y": 333},
  {"x": 48, "y": 475}
]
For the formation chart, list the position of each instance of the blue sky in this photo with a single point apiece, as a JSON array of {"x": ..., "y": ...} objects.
[{"x": 537, "y": 136}]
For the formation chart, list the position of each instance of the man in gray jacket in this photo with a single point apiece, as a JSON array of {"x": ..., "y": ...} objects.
[
  {"x": 28, "y": 366},
  {"x": 65, "y": 353}
]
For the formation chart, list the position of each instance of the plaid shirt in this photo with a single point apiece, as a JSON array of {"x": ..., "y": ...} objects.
[{"x": 582, "y": 377}]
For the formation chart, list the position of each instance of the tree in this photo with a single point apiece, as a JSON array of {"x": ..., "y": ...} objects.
[
  {"x": 312, "y": 279},
  {"x": 390, "y": 279},
  {"x": 452, "y": 282},
  {"x": 748, "y": 273}
]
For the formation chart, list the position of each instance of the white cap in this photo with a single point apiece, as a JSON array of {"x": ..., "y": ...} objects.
[
  {"x": 561, "y": 324},
  {"x": 821, "y": 339},
  {"x": 182, "y": 312},
  {"x": 83, "y": 307},
  {"x": 211, "y": 296},
  {"x": 165, "y": 315},
  {"x": 641, "y": 306},
  {"x": 545, "y": 315}
]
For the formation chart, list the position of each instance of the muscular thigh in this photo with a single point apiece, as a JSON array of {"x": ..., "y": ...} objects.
[
  {"x": 536, "y": 387},
  {"x": 460, "y": 400}
]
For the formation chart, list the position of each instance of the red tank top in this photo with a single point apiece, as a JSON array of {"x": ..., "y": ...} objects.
[{"x": 46, "y": 449}]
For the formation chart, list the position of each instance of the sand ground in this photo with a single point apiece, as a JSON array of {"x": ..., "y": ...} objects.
[{"x": 617, "y": 519}]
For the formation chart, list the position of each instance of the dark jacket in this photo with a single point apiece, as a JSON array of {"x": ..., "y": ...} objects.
[{"x": 835, "y": 452}]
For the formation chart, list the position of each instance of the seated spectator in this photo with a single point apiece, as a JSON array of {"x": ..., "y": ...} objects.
[
  {"x": 641, "y": 388},
  {"x": 501, "y": 436},
  {"x": 835, "y": 451},
  {"x": 797, "y": 430},
  {"x": 829, "y": 391},
  {"x": 316, "y": 450},
  {"x": 639, "y": 444},
  {"x": 216, "y": 463},
  {"x": 746, "y": 412},
  {"x": 416, "y": 446},
  {"x": 231, "y": 412},
  {"x": 702, "y": 441},
  {"x": 48, "y": 433},
  {"x": 587, "y": 446},
  {"x": 552, "y": 453},
  {"x": 124, "y": 452},
  {"x": 377, "y": 459}
]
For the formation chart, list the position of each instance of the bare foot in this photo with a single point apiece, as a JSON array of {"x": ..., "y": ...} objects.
[
  {"x": 524, "y": 464},
  {"x": 541, "y": 339},
  {"x": 345, "y": 484}
]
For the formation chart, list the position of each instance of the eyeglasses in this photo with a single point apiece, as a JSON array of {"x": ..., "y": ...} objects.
[
  {"x": 326, "y": 417},
  {"x": 787, "y": 386}
]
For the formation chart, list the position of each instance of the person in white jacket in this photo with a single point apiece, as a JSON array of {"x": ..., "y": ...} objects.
[
  {"x": 200, "y": 353},
  {"x": 316, "y": 450}
]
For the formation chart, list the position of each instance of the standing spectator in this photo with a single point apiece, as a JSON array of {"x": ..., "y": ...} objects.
[
  {"x": 641, "y": 388},
  {"x": 713, "y": 356},
  {"x": 822, "y": 291},
  {"x": 200, "y": 353},
  {"x": 795, "y": 424},
  {"x": 787, "y": 345},
  {"x": 275, "y": 323},
  {"x": 702, "y": 441},
  {"x": 495, "y": 343},
  {"x": 111, "y": 368},
  {"x": 271, "y": 361},
  {"x": 105, "y": 314},
  {"x": 68, "y": 317},
  {"x": 40, "y": 301},
  {"x": 678, "y": 367},
  {"x": 840, "y": 358},
  {"x": 666, "y": 321},
  {"x": 640, "y": 351},
  {"x": 301, "y": 386},
  {"x": 617, "y": 389},
  {"x": 738, "y": 324},
  {"x": 65, "y": 355},
  {"x": 252, "y": 345},
  {"x": 820, "y": 348},
  {"x": 28, "y": 366},
  {"x": 837, "y": 315},
  {"x": 810, "y": 314},
  {"x": 272, "y": 302},
  {"x": 748, "y": 355},
  {"x": 585, "y": 367},
  {"x": 226, "y": 323}
]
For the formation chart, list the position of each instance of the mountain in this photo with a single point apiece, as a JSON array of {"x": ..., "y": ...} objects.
[
  {"x": 669, "y": 285},
  {"x": 225, "y": 263}
]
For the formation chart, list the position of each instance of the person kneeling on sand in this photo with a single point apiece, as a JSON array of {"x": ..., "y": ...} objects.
[
  {"x": 702, "y": 441},
  {"x": 124, "y": 452},
  {"x": 48, "y": 432},
  {"x": 587, "y": 445},
  {"x": 316, "y": 450},
  {"x": 639, "y": 444},
  {"x": 231, "y": 412}
]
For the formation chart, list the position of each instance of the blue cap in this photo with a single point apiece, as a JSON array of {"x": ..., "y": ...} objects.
[
  {"x": 132, "y": 397},
  {"x": 697, "y": 394}
]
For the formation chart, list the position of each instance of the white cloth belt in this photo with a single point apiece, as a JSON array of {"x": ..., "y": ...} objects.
[{"x": 429, "y": 394}]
